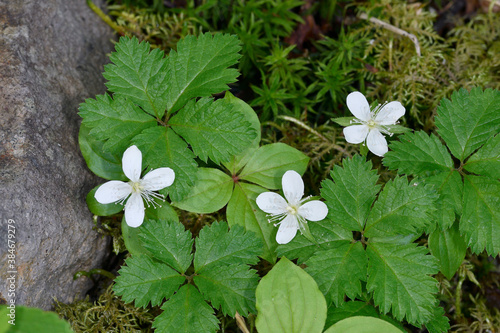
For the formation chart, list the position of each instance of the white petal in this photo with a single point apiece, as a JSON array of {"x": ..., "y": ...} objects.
[
  {"x": 356, "y": 133},
  {"x": 293, "y": 187},
  {"x": 358, "y": 105},
  {"x": 271, "y": 203},
  {"x": 313, "y": 210},
  {"x": 134, "y": 210},
  {"x": 112, "y": 191},
  {"x": 390, "y": 113},
  {"x": 157, "y": 179},
  {"x": 287, "y": 230},
  {"x": 376, "y": 142},
  {"x": 132, "y": 163}
]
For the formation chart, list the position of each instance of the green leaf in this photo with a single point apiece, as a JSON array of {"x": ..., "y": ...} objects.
[
  {"x": 480, "y": 221},
  {"x": 289, "y": 301},
  {"x": 131, "y": 238},
  {"x": 186, "y": 312},
  {"x": 168, "y": 242},
  {"x": 344, "y": 121},
  {"x": 161, "y": 147},
  {"x": 401, "y": 209},
  {"x": 232, "y": 287},
  {"x": 146, "y": 280},
  {"x": 397, "y": 129},
  {"x": 211, "y": 191},
  {"x": 439, "y": 322},
  {"x": 215, "y": 130},
  {"x": 97, "y": 208},
  {"x": 116, "y": 122},
  {"x": 398, "y": 276},
  {"x": 270, "y": 162},
  {"x": 417, "y": 153},
  {"x": 339, "y": 271},
  {"x": 249, "y": 115},
  {"x": 216, "y": 246},
  {"x": 31, "y": 320},
  {"x": 486, "y": 161},
  {"x": 352, "y": 192},
  {"x": 449, "y": 248},
  {"x": 138, "y": 75},
  {"x": 468, "y": 120},
  {"x": 363, "y": 325},
  {"x": 199, "y": 68},
  {"x": 349, "y": 309},
  {"x": 163, "y": 213}
]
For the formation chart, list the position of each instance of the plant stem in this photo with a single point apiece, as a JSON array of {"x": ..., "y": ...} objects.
[{"x": 105, "y": 17}]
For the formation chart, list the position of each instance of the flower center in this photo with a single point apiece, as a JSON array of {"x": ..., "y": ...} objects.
[
  {"x": 293, "y": 210},
  {"x": 371, "y": 123},
  {"x": 136, "y": 187}
]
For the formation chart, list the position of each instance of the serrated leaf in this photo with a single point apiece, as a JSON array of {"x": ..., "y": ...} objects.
[
  {"x": 289, "y": 301},
  {"x": 270, "y": 162},
  {"x": 199, "y": 68},
  {"x": 168, "y": 242},
  {"x": 138, "y": 75},
  {"x": 186, "y": 312},
  {"x": 418, "y": 154},
  {"x": 232, "y": 287},
  {"x": 339, "y": 271},
  {"x": 401, "y": 209},
  {"x": 486, "y": 161},
  {"x": 449, "y": 248},
  {"x": 352, "y": 192},
  {"x": 398, "y": 277},
  {"x": 243, "y": 210},
  {"x": 161, "y": 147},
  {"x": 468, "y": 120},
  {"x": 215, "y": 130},
  {"x": 31, "y": 320},
  {"x": 144, "y": 280},
  {"x": 98, "y": 208},
  {"x": 115, "y": 122},
  {"x": 480, "y": 220},
  {"x": 216, "y": 246},
  {"x": 363, "y": 325},
  {"x": 439, "y": 322}
]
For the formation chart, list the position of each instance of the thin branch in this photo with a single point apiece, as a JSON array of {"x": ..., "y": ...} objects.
[{"x": 240, "y": 321}]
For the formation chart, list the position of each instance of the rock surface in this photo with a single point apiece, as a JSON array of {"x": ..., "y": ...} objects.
[{"x": 51, "y": 58}]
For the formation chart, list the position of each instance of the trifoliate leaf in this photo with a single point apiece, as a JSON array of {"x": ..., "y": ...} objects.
[
  {"x": 115, "y": 122},
  {"x": 31, "y": 320},
  {"x": 199, "y": 68},
  {"x": 138, "y": 75},
  {"x": 232, "y": 287},
  {"x": 146, "y": 280},
  {"x": 417, "y": 153},
  {"x": 168, "y": 242},
  {"x": 243, "y": 210},
  {"x": 363, "y": 325},
  {"x": 270, "y": 162},
  {"x": 439, "y": 322},
  {"x": 398, "y": 277},
  {"x": 215, "y": 130},
  {"x": 486, "y": 161},
  {"x": 211, "y": 191},
  {"x": 468, "y": 120},
  {"x": 401, "y": 209},
  {"x": 186, "y": 312},
  {"x": 216, "y": 246},
  {"x": 289, "y": 301},
  {"x": 339, "y": 271},
  {"x": 351, "y": 194},
  {"x": 480, "y": 221},
  {"x": 161, "y": 147},
  {"x": 449, "y": 248}
]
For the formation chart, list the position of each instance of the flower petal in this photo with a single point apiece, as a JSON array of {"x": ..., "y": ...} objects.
[
  {"x": 271, "y": 203},
  {"x": 358, "y": 105},
  {"x": 313, "y": 210},
  {"x": 134, "y": 210},
  {"x": 390, "y": 113},
  {"x": 132, "y": 163},
  {"x": 287, "y": 230},
  {"x": 112, "y": 191},
  {"x": 157, "y": 179},
  {"x": 293, "y": 187},
  {"x": 376, "y": 142},
  {"x": 356, "y": 133}
]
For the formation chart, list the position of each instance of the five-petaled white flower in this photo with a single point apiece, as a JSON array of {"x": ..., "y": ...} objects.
[
  {"x": 372, "y": 122},
  {"x": 137, "y": 188},
  {"x": 291, "y": 214}
]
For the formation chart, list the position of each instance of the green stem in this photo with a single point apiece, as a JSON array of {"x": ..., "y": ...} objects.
[{"x": 105, "y": 17}]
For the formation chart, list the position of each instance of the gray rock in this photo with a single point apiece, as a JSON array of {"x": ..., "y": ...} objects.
[{"x": 51, "y": 58}]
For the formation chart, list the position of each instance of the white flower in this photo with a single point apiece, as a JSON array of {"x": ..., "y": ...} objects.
[
  {"x": 137, "y": 188},
  {"x": 291, "y": 213},
  {"x": 372, "y": 122}
]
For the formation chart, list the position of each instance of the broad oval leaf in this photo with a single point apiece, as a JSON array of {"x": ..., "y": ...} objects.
[
  {"x": 31, "y": 320},
  {"x": 360, "y": 324},
  {"x": 99, "y": 209}
]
